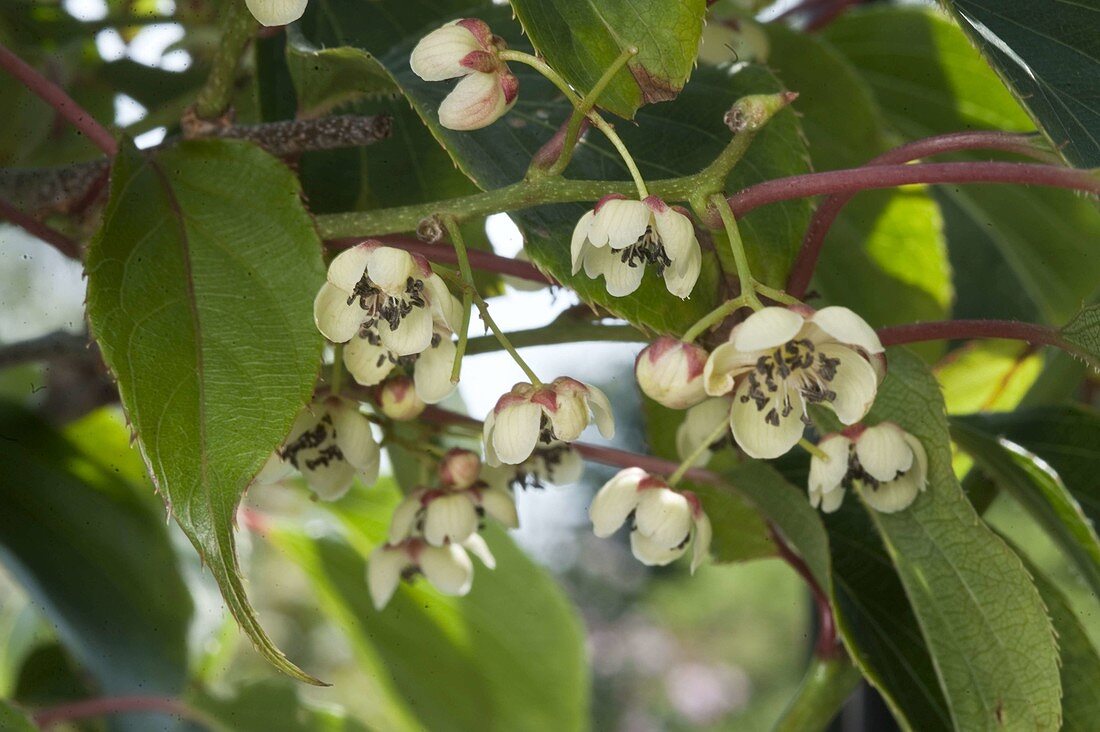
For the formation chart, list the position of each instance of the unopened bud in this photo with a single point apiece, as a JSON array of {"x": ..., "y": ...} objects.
[
  {"x": 398, "y": 399},
  {"x": 749, "y": 114},
  {"x": 459, "y": 468},
  {"x": 670, "y": 372}
]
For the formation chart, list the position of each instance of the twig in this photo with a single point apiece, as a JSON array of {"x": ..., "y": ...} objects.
[
  {"x": 43, "y": 191},
  {"x": 36, "y": 228},
  {"x": 826, "y": 214},
  {"x": 56, "y": 97}
]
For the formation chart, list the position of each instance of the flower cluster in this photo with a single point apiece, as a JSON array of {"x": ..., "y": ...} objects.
[
  {"x": 886, "y": 465},
  {"x": 467, "y": 49},
  {"x": 432, "y": 530}
]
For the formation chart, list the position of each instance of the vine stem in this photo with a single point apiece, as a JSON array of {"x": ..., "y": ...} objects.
[
  {"x": 107, "y": 706},
  {"x": 827, "y": 646},
  {"x": 36, "y": 228},
  {"x": 966, "y": 329},
  {"x": 853, "y": 180},
  {"x": 826, "y": 214},
  {"x": 826, "y": 686},
  {"x": 56, "y": 97}
]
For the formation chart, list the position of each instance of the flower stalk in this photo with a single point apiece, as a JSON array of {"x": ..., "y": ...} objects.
[
  {"x": 459, "y": 244},
  {"x": 737, "y": 248},
  {"x": 703, "y": 447},
  {"x": 216, "y": 94}
]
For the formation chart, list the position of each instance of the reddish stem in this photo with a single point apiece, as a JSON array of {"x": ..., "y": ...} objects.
[
  {"x": 434, "y": 252},
  {"x": 106, "y": 706},
  {"x": 830, "y": 208},
  {"x": 56, "y": 97},
  {"x": 36, "y": 228},
  {"x": 827, "y": 639},
  {"x": 966, "y": 329},
  {"x": 890, "y": 176}
]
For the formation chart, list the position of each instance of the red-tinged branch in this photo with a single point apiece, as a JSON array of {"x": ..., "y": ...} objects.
[
  {"x": 36, "y": 228},
  {"x": 1032, "y": 333},
  {"x": 56, "y": 97},
  {"x": 830, "y": 208},
  {"x": 826, "y": 647},
  {"x": 109, "y": 706},
  {"x": 891, "y": 176},
  {"x": 485, "y": 261}
]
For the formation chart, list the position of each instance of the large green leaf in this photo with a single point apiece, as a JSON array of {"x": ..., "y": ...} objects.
[
  {"x": 1049, "y": 55},
  {"x": 200, "y": 289},
  {"x": 1038, "y": 489},
  {"x": 670, "y": 139},
  {"x": 582, "y": 38},
  {"x": 1017, "y": 252},
  {"x": 95, "y": 558},
  {"x": 883, "y": 240},
  {"x": 982, "y": 618},
  {"x": 509, "y": 656}
]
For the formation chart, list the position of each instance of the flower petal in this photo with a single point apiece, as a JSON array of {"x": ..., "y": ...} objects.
[
  {"x": 448, "y": 568},
  {"x": 847, "y": 328},
  {"x": 897, "y": 495},
  {"x": 614, "y": 501},
  {"x": 622, "y": 221},
  {"x": 476, "y": 101},
  {"x": 827, "y": 475},
  {"x": 855, "y": 383},
  {"x": 676, "y": 232},
  {"x": 570, "y": 418},
  {"x": 413, "y": 334},
  {"x": 439, "y": 54},
  {"x": 883, "y": 451},
  {"x": 432, "y": 372},
  {"x": 384, "y": 573},
  {"x": 620, "y": 278},
  {"x": 663, "y": 516},
  {"x": 651, "y": 553},
  {"x": 601, "y": 411},
  {"x": 445, "y": 306},
  {"x": 723, "y": 366},
  {"x": 330, "y": 479},
  {"x": 352, "y": 432},
  {"x": 567, "y": 469},
  {"x": 335, "y": 318},
  {"x": 700, "y": 548},
  {"x": 404, "y": 517},
  {"x": 390, "y": 268},
  {"x": 681, "y": 276},
  {"x": 515, "y": 433},
  {"x": 349, "y": 266},
  {"x": 580, "y": 238},
  {"x": 831, "y": 501},
  {"x": 920, "y": 467},
  {"x": 755, "y": 435},
  {"x": 369, "y": 364},
  {"x": 450, "y": 518},
  {"x": 500, "y": 505},
  {"x": 273, "y": 470},
  {"x": 477, "y": 546},
  {"x": 766, "y": 329},
  {"x": 276, "y": 12}
]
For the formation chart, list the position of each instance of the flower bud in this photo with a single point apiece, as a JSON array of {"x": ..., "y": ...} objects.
[
  {"x": 398, "y": 399},
  {"x": 459, "y": 468},
  {"x": 670, "y": 372}
]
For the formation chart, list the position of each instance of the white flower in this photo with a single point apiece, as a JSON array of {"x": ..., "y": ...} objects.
[
  {"x": 276, "y": 12},
  {"x": 528, "y": 415},
  {"x": 450, "y": 515},
  {"x": 330, "y": 444},
  {"x": 369, "y": 362},
  {"x": 779, "y": 360},
  {"x": 620, "y": 236},
  {"x": 398, "y": 399},
  {"x": 448, "y": 568},
  {"x": 467, "y": 48},
  {"x": 665, "y": 519},
  {"x": 386, "y": 296},
  {"x": 886, "y": 464},
  {"x": 700, "y": 422},
  {"x": 670, "y": 372},
  {"x": 459, "y": 468},
  {"x": 556, "y": 463}
]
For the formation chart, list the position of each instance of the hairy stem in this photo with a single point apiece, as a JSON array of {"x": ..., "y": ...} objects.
[
  {"x": 36, "y": 228},
  {"x": 890, "y": 176},
  {"x": 216, "y": 95},
  {"x": 827, "y": 685},
  {"x": 826, "y": 214},
  {"x": 56, "y": 97}
]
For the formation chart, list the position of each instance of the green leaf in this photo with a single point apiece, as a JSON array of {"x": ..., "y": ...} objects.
[
  {"x": 1082, "y": 333},
  {"x": 1065, "y": 437},
  {"x": 509, "y": 656},
  {"x": 328, "y": 77},
  {"x": 882, "y": 240},
  {"x": 1016, "y": 252},
  {"x": 988, "y": 376},
  {"x": 1049, "y": 55},
  {"x": 981, "y": 616},
  {"x": 13, "y": 720},
  {"x": 1038, "y": 489},
  {"x": 95, "y": 557},
  {"x": 273, "y": 704},
  {"x": 671, "y": 139},
  {"x": 1079, "y": 659},
  {"x": 582, "y": 38},
  {"x": 200, "y": 289}
]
